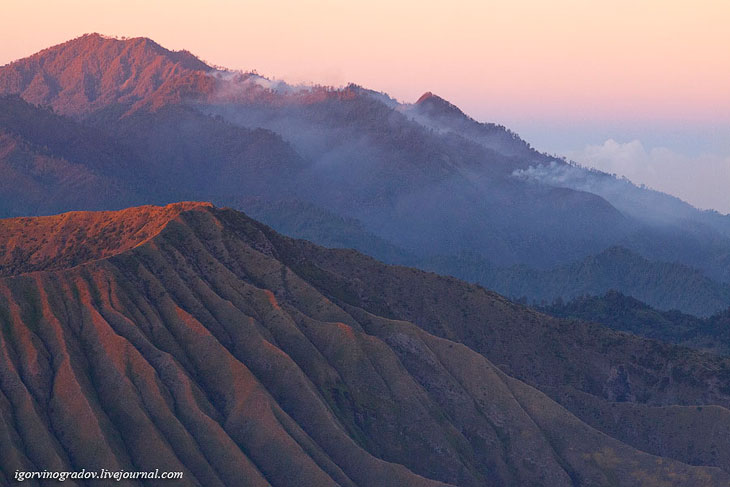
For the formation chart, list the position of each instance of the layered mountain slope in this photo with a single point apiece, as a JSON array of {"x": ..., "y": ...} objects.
[
  {"x": 309, "y": 222},
  {"x": 664, "y": 285},
  {"x": 533, "y": 346},
  {"x": 151, "y": 126},
  {"x": 366, "y": 159},
  {"x": 35, "y": 182},
  {"x": 51, "y": 162},
  {"x": 563, "y": 359},
  {"x": 433, "y": 111},
  {"x": 192, "y": 156},
  {"x": 625, "y": 313},
  {"x": 221, "y": 349},
  {"x": 424, "y": 191}
]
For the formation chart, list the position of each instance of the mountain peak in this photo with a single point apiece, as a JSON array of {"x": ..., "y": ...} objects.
[
  {"x": 95, "y": 46},
  {"x": 434, "y": 105},
  {"x": 93, "y": 71},
  {"x": 425, "y": 97}
]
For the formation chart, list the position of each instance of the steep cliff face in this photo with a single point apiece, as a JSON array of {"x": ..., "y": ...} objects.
[{"x": 195, "y": 339}]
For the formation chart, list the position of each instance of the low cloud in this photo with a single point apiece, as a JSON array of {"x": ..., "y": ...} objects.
[
  {"x": 701, "y": 180},
  {"x": 236, "y": 84}
]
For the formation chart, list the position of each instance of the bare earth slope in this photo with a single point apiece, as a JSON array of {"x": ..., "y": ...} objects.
[
  {"x": 197, "y": 339},
  {"x": 69, "y": 239}
]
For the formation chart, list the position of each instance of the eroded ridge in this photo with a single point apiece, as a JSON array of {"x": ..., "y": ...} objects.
[{"x": 221, "y": 349}]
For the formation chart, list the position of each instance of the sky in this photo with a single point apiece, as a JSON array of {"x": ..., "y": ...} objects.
[{"x": 570, "y": 76}]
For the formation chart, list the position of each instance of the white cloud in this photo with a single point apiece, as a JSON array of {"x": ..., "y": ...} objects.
[
  {"x": 237, "y": 82},
  {"x": 703, "y": 180}
]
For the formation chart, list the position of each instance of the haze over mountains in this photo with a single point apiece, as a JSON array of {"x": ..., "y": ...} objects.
[
  {"x": 625, "y": 313},
  {"x": 419, "y": 184},
  {"x": 183, "y": 336},
  {"x": 195, "y": 339}
]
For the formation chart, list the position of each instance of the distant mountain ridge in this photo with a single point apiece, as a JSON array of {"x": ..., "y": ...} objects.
[
  {"x": 440, "y": 114},
  {"x": 422, "y": 184},
  {"x": 664, "y": 285},
  {"x": 625, "y": 313}
]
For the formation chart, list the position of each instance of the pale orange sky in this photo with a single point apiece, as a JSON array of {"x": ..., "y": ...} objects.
[
  {"x": 568, "y": 75},
  {"x": 598, "y": 59}
]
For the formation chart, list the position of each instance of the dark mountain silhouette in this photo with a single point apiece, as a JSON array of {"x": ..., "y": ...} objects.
[
  {"x": 172, "y": 154},
  {"x": 438, "y": 113},
  {"x": 664, "y": 285},
  {"x": 194, "y": 339},
  {"x": 625, "y": 313},
  {"x": 309, "y": 222},
  {"x": 48, "y": 162},
  {"x": 136, "y": 124}
]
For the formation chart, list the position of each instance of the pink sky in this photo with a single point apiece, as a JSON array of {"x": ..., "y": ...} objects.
[{"x": 546, "y": 59}]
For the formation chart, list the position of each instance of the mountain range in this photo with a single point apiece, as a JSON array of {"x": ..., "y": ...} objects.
[
  {"x": 192, "y": 338},
  {"x": 626, "y": 313},
  {"x": 99, "y": 123},
  {"x": 663, "y": 285},
  {"x": 331, "y": 316}
]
